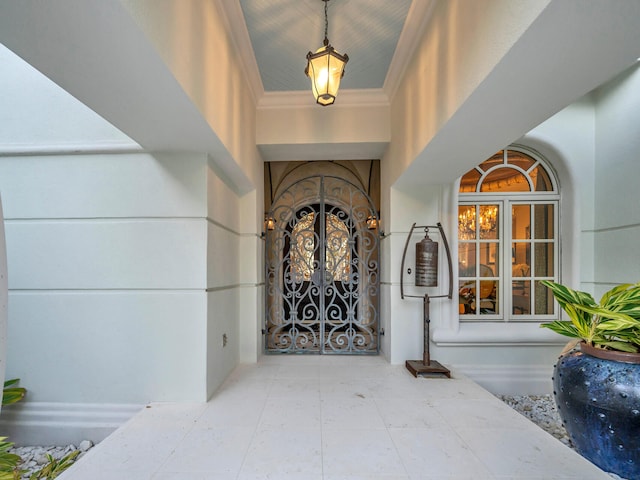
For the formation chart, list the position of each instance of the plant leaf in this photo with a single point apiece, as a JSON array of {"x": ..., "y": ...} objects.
[
  {"x": 581, "y": 320},
  {"x": 8, "y": 461},
  {"x": 55, "y": 467},
  {"x": 566, "y": 295},
  {"x": 562, "y": 327},
  {"x": 625, "y": 300},
  {"x": 622, "y": 346},
  {"x": 614, "y": 324},
  {"x": 13, "y": 381},
  {"x": 13, "y": 395},
  {"x": 606, "y": 298},
  {"x": 607, "y": 316}
]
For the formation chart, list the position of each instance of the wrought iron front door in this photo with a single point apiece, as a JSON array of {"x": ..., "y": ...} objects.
[{"x": 322, "y": 270}]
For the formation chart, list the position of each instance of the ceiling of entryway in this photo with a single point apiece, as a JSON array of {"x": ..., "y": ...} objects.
[
  {"x": 485, "y": 77},
  {"x": 274, "y": 36},
  {"x": 283, "y": 31}
]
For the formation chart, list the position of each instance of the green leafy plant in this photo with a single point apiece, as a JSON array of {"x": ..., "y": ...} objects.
[
  {"x": 11, "y": 393},
  {"x": 9, "y": 462},
  {"x": 55, "y": 467},
  {"x": 612, "y": 324}
]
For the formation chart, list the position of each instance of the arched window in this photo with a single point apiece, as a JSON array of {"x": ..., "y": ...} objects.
[{"x": 507, "y": 238}]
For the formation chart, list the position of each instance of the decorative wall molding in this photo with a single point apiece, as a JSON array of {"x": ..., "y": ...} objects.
[
  {"x": 223, "y": 288},
  {"x": 44, "y": 423},
  {"x": 510, "y": 379},
  {"x": 488, "y": 334},
  {"x": 223, "y": 227},
  {"x": 92, "y": 148},
  {"x": 346, "y": 98},
  {"x": 613, "y": 228}
]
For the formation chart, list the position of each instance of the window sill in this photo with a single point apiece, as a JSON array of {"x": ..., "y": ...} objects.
[{"x": 496, "y": 333}]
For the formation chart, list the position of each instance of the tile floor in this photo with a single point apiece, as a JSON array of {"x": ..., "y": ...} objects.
[{"x": 333, "y": 418}]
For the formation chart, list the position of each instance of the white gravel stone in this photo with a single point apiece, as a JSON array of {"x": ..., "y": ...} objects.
[
  {"x": 85, "y": 445},
  {"x": 35, "y": 457}
]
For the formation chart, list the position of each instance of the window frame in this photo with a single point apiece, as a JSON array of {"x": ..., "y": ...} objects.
[{"x": 504, "y": 260}]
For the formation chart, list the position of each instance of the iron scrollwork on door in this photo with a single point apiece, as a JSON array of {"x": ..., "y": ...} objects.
[{"x": 322, "y": 270}]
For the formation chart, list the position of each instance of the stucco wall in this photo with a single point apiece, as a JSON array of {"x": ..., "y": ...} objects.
[
  {"x": 195, "y": 44},
  {"x": 568, "y": 141},
  {"x": 617, "y": 196},
  {"x": 450, "y": 106},
  {"x": 511, "y": 358},
  {"x": 124, "y": 267},
  {"x": 223, "y": 280},
  {"x": 106, "y": 258}
]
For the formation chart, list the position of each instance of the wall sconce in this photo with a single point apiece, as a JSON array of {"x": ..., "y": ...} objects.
[
  {"x": 269, "y": 223},
  {"x": 373, "y": 222}
]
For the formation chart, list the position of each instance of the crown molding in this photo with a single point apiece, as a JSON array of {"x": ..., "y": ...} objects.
[
  {"x": 304, "y": 98},
  {"x": 418, "y": 16},
  {"x": 237, "y": 28}
]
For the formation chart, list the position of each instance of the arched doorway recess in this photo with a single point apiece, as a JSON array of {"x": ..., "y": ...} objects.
[{"x": 322, "y": 270}]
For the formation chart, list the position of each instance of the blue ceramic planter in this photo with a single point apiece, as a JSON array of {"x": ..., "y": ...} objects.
[{"x": 599, "y": 404}]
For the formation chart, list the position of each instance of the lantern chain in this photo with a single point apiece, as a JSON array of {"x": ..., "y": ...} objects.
[{"x": 326, "y": 23}]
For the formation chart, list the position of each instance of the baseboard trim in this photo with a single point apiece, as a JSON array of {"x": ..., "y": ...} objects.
[
  {"x": 510, "y": 380},
  {"x": 44, "y": 423}
]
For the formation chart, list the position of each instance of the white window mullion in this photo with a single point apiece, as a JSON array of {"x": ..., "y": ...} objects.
[{"x": 507, "y": 294}]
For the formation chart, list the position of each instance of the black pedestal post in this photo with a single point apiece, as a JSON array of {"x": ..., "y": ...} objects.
[{"x": 426, "y": 366}]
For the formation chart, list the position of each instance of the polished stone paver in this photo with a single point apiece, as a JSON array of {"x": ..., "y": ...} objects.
[{"x": 333, "y": 418}]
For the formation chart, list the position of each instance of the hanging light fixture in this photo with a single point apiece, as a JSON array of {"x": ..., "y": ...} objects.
[
  {"x": 487, "y": 219},
  {"x": 325, "y": 68}
]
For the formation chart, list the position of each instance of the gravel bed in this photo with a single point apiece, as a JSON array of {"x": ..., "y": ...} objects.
[
  {"x": 541, "y": 410},
  {"x": 35, "y": 457}
]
